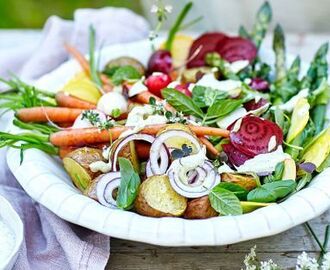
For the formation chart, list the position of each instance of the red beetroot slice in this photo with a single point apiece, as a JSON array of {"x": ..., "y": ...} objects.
[
  {"x": 259, "y": 84},
  {"x": 254, "y": 134},
  {"x": 236, "y": 48},
  {"x": 253, "y": 105},
  {"x": 235, "y": 157},
  {"x": 206, "y": 43}
]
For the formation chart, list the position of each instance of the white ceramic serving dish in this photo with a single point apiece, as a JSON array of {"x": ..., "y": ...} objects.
[
  {"x": 45, "y": 180},
  {"x": 9, "y": 216}
]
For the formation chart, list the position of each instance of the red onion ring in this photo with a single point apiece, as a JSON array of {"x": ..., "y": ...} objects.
[
  {"x": 163, "y": 153},
  {"x": 155, "y": 150},
  {"x": 148, "y": 169},
  {"x": 207, "y": 178},
  {"x": 105, "y": 187}
]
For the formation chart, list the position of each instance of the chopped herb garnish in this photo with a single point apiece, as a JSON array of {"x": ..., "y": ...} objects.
[{"x": 94, "y": 118}]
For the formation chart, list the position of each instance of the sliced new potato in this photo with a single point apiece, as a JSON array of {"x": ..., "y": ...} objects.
[
  {"x": 200, "y": 208},
  {"x": 157, "y": 198},
  {"x": 82, "y": 87},
  {"x": 177, "y": 142},
  {"x": 180, "y": 49},
  {"x": 247, "y": 181},
  {"x": 299, "y": 119},
  {"x": 125, "y": 61},
  {"x": 251, "y": 206},
  {"x": 319, "y": 150},
  {"x": 190, "y": 75},
  {"x": 290, "y": 170},
  {"x": 77, "y": 164}
]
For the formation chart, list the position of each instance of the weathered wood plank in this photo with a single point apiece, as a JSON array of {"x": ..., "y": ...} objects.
[{"x": 283, "y": 248}]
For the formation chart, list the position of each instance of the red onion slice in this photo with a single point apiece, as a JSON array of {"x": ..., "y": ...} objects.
[
  {"x": 148, "y": 169},
  {"x": 163, "y": 153},
  {"x": 206, "y": 178},
  {"x": 155, "y": 150},
  {"x": 105, "y": 187}
]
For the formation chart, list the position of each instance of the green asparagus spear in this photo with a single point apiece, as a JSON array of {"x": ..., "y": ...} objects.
[
  {"x": 261, "y": 25},
  {"x": 243, "y": 32},
  {"x": 279, "y": 49},
  {"x": 294, "y": 70},
  {"x": 318, "y": 69}
]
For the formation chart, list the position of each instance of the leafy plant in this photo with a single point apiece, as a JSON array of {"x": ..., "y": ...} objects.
[
  {"x": 129, "y": 184},
  {"x": 224, "y": 201},
  {"x": 240, "y": 192},
  {"x": 271, "y": 192},
  {"x": 205, "y": 96}
]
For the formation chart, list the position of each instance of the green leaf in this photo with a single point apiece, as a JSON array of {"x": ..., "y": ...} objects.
[
  {"x": 129, "y": 184},
  {"x": 205, "y": 96},
  {"x": 222, "y": 108},
  {"x": 115, "y": 113},
  {"x": 239, "y": 191},
  {"x": 181, "y": 102},
  {"x": 271, "y": 192},
  {"x": 125, "y": 73},
  {"x": 225, "y": 202},
  {"x": 243, "y": 32},
  {"x": 92, "y": 61}
]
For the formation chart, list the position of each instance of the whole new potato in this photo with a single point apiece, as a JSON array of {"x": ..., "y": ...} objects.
[{"x": 200, "y": 208}]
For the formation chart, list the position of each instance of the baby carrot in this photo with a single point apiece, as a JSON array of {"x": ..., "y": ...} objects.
[
  {"x": 209, "y": 146},
  {"x": 66, "y": 100},
  {"x": 79, "y": 57},
  {"x": 46, "y": 114}
]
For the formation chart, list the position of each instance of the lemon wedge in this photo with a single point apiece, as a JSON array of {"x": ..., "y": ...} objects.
[
  {"x": 299, "y": 119},
  {"x": 180, "y": 49},
  {"x": 82, "y": 87}
]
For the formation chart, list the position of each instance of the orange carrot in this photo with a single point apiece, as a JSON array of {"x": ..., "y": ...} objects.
[
  {"x": 45, "y": 114},
  {"x": 79, "y": 57},
  {"x": 209, "y": 146},
  {"x": 65, "y": 100},
  {"x": 85, "y": 136},
  {"x": 145, "y": 96}
]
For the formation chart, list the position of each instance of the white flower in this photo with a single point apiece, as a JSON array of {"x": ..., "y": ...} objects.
[
  {"x": 304, "y": 262},
  {"x": 168, "y": 8},
  {"x": 270, "y": 265},
  {"x": 154, "y": 9},
  {"x": 153, "y": 35},
  {"x": 250, "y": 260},
  {"x": 326, "y": 262}
]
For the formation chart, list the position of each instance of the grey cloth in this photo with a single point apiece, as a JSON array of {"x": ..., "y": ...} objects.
[{"x": 50, "y": 242}]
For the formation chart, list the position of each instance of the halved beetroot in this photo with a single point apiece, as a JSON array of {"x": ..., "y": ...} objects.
[
  {"x": 206, "y": 43},
  {"x": 253, "y": 105},
  {"x": 236, "y": 48},
  {"x": 254, "y": 135},
  {"x": 235, "y": 157}
]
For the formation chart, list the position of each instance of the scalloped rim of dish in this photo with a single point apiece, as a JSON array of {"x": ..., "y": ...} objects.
[{"x": 45, "y": 180}]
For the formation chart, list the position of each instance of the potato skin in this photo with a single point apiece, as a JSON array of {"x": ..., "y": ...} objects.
[
  {"x": 200, "y": 208},
  {"x": 245, "y": 181},
  {"x": 156, "y": 198}
]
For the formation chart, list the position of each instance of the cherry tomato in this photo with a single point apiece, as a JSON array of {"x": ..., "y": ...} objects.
[{"x": 156, "y": 82}]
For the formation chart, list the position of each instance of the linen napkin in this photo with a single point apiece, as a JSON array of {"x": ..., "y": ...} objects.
[{"x": 50, "y": 242}]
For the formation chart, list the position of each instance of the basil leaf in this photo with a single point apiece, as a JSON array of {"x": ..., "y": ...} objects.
[
  {"x": 206, "y": 96},
  {"x": 129, "y": 184},
  {"x": 181, "y": 102},
  {"x": 271, "y": 192},
  {"x": 240, "y": 192},
  {"x": 222, "y": 108},
  {"x": 125, "y": 73},
  {"x": 225, "y": 202}
]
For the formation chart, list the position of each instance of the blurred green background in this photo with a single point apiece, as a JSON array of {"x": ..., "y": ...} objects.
[{"x": 13, "y": 12}]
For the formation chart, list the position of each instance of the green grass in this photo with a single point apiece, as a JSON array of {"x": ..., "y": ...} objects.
[{"x": 34, "y": 13}]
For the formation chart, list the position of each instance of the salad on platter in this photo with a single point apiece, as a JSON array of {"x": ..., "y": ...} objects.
[{"x": 206, "y": 128}]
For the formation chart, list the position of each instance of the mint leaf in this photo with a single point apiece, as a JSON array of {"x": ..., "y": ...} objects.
[
  {"x": 125, "y": 73},
  {"x": 225, "y": 202}
]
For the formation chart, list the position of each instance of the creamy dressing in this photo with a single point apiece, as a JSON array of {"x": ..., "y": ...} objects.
[
  {"x": 231, "y": 118},
  {"x": 237, "y": 66},
  {"x": 7, "y": 241},
  {"x": 101, "y": 166},
  {"x": 137, "y": 88},
  {"x": 140, "y": 117},
  {"x": 291, "y": 103},
  {"x": 208, "y": 80},
  {"x": 112, "y": 101},
  {"x": 264, "y": 163}
]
